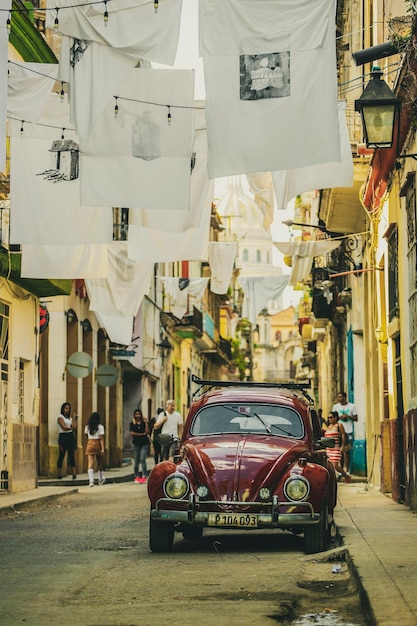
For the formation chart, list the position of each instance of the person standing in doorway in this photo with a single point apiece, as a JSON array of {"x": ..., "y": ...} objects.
[
  {"x": 66, "y": 439},
  {"x": 347, "y": 416},
  {"x": 170, "y": 423},
  {"x": 95, "y": 448},
  {"x": 139, "y": 431}
]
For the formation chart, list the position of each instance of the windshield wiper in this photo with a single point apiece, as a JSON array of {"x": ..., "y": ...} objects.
[{"x": 265, "y": 424}]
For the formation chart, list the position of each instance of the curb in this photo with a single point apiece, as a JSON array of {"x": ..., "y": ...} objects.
[{"x": 18, "y": 506}]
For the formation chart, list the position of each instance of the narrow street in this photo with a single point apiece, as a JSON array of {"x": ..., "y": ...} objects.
[{"x": 84, "y": 559}]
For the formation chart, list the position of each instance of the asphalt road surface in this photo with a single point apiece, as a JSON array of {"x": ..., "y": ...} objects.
[{"x": 84, "y": 560}]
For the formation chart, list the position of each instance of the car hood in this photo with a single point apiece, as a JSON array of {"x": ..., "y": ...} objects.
[{"x": 235, "y": 467}]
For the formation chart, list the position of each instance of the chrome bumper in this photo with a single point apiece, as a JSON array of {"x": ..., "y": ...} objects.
[{"x": 278, "y": 516}]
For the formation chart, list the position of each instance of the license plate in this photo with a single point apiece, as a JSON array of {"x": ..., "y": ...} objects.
[{"x": 232, "y": 520}]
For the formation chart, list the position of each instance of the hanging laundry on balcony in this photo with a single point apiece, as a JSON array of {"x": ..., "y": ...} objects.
[
  {"x": 179, "y": 291},
  {"x": 222, "y": 257},
  {"x": 258, "y": 292},
  {"x": 140, "y": 159},
  {"x": 303, "y": 253},
  {"x": 271, "y": 84},
  {"x": 290, "y": 183},
  {"x": 132, "y": 28},
  {"x": 45, "y": 188}
]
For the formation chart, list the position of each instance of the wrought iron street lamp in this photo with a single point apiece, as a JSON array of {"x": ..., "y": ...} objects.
[{"x": 380, "y": 111}]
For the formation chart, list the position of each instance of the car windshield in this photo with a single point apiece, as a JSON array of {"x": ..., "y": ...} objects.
[{"x": 246, "y": 418}]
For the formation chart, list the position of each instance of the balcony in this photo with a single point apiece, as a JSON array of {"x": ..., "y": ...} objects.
[{"x": 190, "y": 326}]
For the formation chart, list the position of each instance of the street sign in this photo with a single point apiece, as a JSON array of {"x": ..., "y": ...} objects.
[
  {"x": 106, "y": 375},
  {"x": 80, "y": 364}
]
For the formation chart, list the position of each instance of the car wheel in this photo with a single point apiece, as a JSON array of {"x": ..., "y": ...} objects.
[
  {"x": 192, "y": 533},
  {"x": 316, "y": 537},
  {"x": 161, "y": 536}
]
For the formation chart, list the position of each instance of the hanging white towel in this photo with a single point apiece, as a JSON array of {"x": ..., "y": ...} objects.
[
  {"x": 260, "y": 184},
  {"x": 221, "y": 259},
  {"x": 303, "y": 253}
]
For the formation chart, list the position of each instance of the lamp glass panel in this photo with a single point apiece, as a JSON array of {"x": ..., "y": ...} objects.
[{"x": 379, "y": 125}]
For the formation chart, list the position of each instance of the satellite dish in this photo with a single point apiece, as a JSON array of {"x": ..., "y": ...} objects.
[
  {"x": 80, "y": 364},
  {"x": 106, "y": 375}
]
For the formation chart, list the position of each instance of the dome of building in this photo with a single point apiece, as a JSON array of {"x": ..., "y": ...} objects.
[{"x": 239, "y": 211}]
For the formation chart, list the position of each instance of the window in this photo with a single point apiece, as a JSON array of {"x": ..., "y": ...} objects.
[{"x": 264, "y": 419}]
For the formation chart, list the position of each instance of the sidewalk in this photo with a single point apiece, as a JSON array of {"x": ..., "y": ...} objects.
[
  {"x": 379, "y": 534},
  {"x": 51, "y": 488}
]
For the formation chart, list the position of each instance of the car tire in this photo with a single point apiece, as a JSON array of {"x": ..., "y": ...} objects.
[
  {"x": 192, "y": 533},
  {"x": 161, "y": 536},
  {"x": 316, "y": 537}
]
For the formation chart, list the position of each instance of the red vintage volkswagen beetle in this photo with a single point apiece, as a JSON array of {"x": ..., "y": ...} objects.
[{"x": 252, "y": 456}]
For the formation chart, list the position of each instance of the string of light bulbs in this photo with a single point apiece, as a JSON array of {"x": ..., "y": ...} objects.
[
  {"x": 72, "y": 6},
  {"x": 23, "y": 122},
  {"x": 116, "y": 98}
]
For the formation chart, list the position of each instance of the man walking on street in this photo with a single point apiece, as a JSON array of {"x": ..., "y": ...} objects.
[
  {"x": 171, "y": 431},
  {"x": 347, "y": 415}
]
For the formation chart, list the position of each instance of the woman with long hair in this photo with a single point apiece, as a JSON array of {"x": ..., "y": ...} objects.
[
  {"x": 139, "y": 431},
  {"x": 66, "y": 440},
  {"x": 336, "y": 432},
  {"x": 95, "y": 447}
]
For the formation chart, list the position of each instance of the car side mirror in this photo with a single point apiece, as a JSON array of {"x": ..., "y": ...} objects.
[{"x": 327, "y": 442}]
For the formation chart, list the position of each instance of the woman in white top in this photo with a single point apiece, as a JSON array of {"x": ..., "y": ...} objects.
[
  {"x": 95, "y": 448},
  {"x": 66, "y": 439}
]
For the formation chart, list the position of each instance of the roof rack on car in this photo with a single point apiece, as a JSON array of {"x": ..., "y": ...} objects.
[{"x": 249, "y": 383}]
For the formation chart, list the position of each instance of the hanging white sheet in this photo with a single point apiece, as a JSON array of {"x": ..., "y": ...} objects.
[
  {"x": 138, "y": 159},
  {"x": 221, "y": 259},
  {"x": 4, "y": 41},
  {"x": 29, "y": 88},
  {"x": 271, "y": 84},
  {"x": 289, "y": 184},
  {"x": 62, "y": 262},
  {"x": 127, "y": 282},
  {"x": 133, "y": 27},
  {"x": 258, "y": 292}
]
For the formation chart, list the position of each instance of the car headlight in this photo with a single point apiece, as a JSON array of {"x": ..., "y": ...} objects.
[
  {"x": 296, "y": 488},
  {"x": 176, "y": 486}
]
